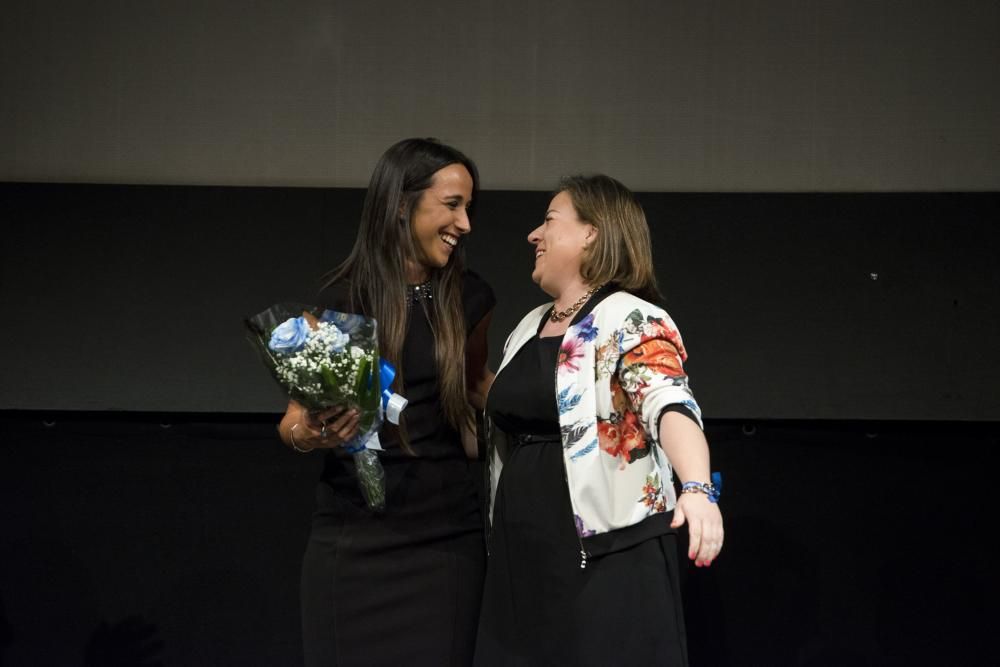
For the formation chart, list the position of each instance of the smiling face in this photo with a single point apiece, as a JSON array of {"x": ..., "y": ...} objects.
[
  {"x": 559, "y": 243},
  {"x": 440, "y": 218}
]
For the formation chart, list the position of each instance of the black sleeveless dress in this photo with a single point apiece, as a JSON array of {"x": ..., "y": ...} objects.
[{"x": 403, "y": 586}]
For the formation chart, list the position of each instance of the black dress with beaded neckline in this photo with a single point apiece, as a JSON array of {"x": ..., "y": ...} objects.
[{"x": 403, "y": 586}]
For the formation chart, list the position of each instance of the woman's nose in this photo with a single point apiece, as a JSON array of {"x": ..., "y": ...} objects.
[{"x": 463, "y": 223}]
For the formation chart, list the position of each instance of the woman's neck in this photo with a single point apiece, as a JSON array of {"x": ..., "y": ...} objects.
[
  {"x": 570, "y": 294},
  {"x": 416, "y": 273}
]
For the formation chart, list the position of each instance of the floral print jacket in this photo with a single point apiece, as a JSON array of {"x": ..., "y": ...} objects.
[{"x": 619, "y": 367}]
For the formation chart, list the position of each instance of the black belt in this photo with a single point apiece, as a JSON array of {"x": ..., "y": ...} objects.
[{"x": 536, "y": 438}]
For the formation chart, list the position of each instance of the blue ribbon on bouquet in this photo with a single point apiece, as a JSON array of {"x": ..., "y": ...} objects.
[
  {"x": 358, "y": 446},
  {"x": 386, "y": 374}
]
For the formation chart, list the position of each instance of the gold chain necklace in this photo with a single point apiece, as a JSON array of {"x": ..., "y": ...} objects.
[{"x": 560, "y": 315}]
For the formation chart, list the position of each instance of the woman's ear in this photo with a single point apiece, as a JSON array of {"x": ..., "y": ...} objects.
[{"x": 407, "y": 204}]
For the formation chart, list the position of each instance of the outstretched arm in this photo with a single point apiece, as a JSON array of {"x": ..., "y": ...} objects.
[{"x": 687, "y": 450}]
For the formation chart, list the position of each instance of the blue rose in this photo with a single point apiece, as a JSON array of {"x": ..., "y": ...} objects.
[
  {"x": 348, "y": 323},
  {"x": 289, "y": 336}
]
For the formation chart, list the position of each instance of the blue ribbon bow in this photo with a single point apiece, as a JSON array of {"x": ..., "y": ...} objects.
[{"x": 386, "y": 374}]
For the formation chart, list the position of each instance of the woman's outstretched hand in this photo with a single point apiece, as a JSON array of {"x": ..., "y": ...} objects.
[{"x": 704, "y": 522}]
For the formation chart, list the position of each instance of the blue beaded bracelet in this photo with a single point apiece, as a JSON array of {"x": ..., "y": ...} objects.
[{"x": 711, "y": 489}]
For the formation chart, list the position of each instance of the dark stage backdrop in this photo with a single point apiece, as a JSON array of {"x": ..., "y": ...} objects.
[
  {"x": 802, "y": 306},
  {"x": 847, "y": 543},
  {"x": 144, "y": 496}
]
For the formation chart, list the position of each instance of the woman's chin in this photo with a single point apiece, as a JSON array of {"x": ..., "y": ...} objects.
[
  {"x": 545, "y": 287},
  {"x": 434, "y": 262}
]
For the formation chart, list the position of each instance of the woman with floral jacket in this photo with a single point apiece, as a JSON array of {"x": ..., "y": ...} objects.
[{"x": 588, "y": 418}]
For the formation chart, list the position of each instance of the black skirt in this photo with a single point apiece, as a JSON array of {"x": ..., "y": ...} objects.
[{"x": 398, "y": 588}]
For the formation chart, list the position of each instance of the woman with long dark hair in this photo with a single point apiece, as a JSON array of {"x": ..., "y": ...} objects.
[{"x": 403, "y": 586}]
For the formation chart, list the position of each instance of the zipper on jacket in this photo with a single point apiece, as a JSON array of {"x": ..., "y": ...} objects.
[{"x": 583, "y": 552}]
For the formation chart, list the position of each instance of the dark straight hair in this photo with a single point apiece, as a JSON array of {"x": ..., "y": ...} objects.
[{"x": 375, "y": 270}]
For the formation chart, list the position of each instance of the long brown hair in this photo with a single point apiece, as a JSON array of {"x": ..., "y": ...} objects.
[{"x": 375, "y": 270}]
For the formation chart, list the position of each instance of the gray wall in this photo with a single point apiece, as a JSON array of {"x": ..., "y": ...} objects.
[{"x": 714, "y": 95}]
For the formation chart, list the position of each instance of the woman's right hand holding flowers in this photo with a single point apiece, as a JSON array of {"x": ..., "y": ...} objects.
[{"x": 325, "y": 429}]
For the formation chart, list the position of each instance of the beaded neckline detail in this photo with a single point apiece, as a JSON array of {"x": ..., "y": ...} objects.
[{"x": 419, "y": 293}]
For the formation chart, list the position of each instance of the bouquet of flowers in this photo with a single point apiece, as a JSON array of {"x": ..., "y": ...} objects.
[{"x": 323, "y": 359}]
